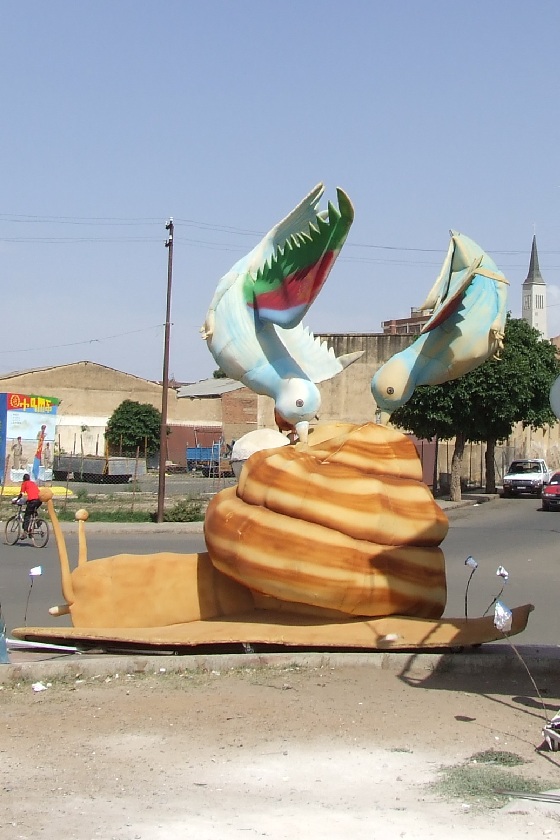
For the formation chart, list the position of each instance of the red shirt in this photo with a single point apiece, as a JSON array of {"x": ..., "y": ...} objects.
[{"x": 30, "y": 489}]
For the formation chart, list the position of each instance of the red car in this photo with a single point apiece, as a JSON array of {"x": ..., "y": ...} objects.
[{"x": 551, "y": 493}]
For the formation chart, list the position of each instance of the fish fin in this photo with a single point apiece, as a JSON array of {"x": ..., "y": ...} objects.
[
  {"x": 439, "y": 290},
  {"x": 349, "y": 358},
  {"x": 288, "y": 282},
  {"x": 457, "y": 287},
  {"x": 313, "y": 355}
]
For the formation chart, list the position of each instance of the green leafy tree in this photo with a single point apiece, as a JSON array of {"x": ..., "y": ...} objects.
[
  {"x": 219, "y": 374},
  {"x": 132, "y": 425},
  {"x": 485, "y": 404}
]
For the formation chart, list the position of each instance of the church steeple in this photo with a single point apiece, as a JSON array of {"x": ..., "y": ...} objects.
[
  {"x": 533, "y": 308},
  {"x": 534, "y": 275}
]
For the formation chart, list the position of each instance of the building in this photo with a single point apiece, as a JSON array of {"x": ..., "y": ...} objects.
[
  {"x": 407, "y": 326},
  {"x": 533, "y": 309},
  {"x": 237, "y": 407},
  {"x": 89, "y": 393}
]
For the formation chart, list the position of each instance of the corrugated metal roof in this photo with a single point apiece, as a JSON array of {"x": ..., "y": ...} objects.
[{"x": 209, "y": 388}]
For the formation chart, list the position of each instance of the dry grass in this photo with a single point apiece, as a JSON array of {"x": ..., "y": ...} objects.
[{"x": 476, "y": 781}]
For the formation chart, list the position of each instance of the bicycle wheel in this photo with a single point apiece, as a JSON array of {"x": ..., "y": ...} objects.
[
  {"x": 11, "y": 531},
  {"x": 40, "y": 533}
]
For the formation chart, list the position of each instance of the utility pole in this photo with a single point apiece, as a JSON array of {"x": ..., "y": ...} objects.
[{"x": 163, "y": 428}]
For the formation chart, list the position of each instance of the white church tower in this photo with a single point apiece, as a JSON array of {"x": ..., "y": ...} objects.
[{"x": 533, "y": 309}]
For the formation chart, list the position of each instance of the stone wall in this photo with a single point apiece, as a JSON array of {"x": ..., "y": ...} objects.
[
  {"x": 522, "y": 443},
  {"x": 347, "y": 396}
]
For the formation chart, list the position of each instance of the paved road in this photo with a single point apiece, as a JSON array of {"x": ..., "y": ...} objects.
[
  {"x": 516, "y": 534},
  {"x": 513, "y": 533},
  {"x": 26, "y": 600}
]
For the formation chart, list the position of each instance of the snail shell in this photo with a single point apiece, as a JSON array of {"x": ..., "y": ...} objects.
[{"x": 344, "y": 525}]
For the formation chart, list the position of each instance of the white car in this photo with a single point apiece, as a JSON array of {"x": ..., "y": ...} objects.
[{"x": 528, "y": 475}]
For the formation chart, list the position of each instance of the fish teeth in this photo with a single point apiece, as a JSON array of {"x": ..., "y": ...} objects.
[
  {"x": 324, "y": 224},
  {"x": 334, "y": 213}
]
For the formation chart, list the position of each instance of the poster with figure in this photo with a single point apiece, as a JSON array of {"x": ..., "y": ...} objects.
[
  {"x": 41, "y": 436},
  {"x": 27, "y": 425}
]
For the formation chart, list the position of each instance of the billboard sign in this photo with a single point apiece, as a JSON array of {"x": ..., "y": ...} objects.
[{"x": 27, "y": 434}]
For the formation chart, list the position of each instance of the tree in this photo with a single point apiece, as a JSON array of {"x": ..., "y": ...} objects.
[
  {"x": 484, "y": 404},
  {"x": 132, "y": 425},
  {"x": 219, "y": 374}
]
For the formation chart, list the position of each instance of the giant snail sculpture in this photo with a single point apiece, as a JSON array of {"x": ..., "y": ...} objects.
[
  {"x": 333, "y": 540},
  {"x": 352, "y": 562}
]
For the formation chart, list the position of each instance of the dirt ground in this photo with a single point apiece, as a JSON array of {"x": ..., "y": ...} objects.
[{"x": 290, "y": 752}]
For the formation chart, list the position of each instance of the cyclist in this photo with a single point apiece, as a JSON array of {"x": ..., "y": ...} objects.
[{"x": 29, "y": 489}]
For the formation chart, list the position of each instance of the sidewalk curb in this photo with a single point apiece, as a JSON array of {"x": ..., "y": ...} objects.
[
  {"x": 198, "y": 527},
  {"x": 134, "y": 527},
  {"x": 491, "y": 659},
  {"x": 467, "y": 500}
]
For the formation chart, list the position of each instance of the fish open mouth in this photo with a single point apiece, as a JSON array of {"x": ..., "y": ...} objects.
[{"x": 289, "y": 281}]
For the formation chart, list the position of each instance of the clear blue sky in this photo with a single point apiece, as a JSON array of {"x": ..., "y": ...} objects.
[{"x": 118, "y": 114}]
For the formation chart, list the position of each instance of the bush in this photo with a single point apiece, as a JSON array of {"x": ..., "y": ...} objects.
[
  {"x": 121, "y": 515},
  {"x": 186, "y": 510}
]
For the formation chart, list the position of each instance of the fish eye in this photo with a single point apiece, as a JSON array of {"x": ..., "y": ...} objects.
[
  {"x": 299, "y": 403},
  {"x": 390, "y": 390}
]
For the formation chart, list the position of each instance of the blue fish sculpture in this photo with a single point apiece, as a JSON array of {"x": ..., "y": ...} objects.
[
  {"x": 253, "y": 326},
  {"x": 468, "y": 305}
]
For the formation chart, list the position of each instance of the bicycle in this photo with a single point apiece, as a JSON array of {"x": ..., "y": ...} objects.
[{"x": 38, "y": 527}]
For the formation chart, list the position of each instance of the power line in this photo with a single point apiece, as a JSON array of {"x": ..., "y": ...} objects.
[
  {"x": 233, "y": 248},
  {"x": 99, "y": 221},
  {"x": 77, "y": 343},
  {"x": 70, "y": 240},
  {"x": 349, "y": 255},
  {"x": 77, "y": 220},
  {"x": 117, "y": 221}
]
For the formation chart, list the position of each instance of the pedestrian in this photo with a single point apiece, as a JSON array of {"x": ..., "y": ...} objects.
[
  {"x": 17, "y": 453},
  {"x": 29, "y": 489},
  {"x": 47, "y": 456}
]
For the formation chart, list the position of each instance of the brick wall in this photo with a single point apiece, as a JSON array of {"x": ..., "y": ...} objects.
[{"x": 239, "y": 413}]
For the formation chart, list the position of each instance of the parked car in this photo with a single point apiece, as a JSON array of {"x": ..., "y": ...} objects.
[
  {"x": 528, "y": 475},
  {"x": 551, "y": 493}
]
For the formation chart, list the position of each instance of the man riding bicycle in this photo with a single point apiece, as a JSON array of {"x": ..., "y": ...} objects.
[{"x": 29, "y": 489}]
